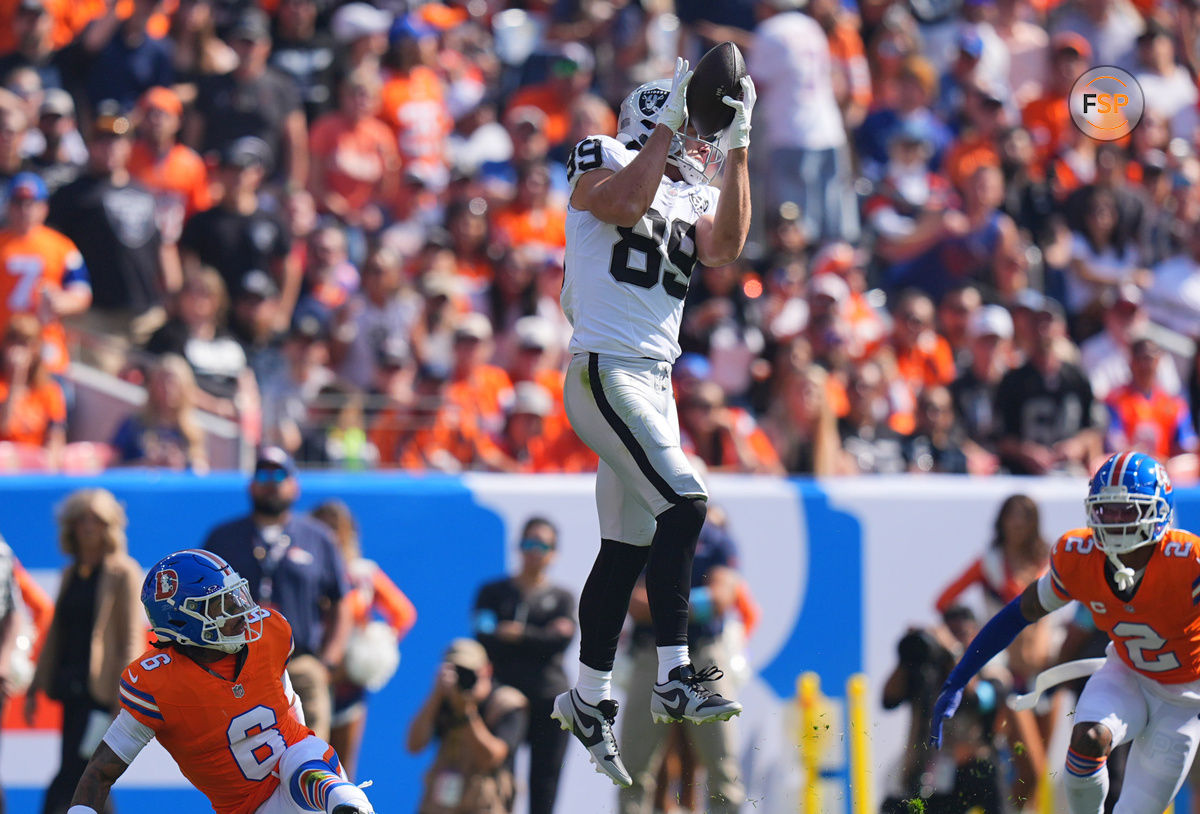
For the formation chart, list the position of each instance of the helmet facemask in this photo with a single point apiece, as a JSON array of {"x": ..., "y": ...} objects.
[
  {"x": 229, "y": 618},
  {"x": 1123, "y": 521},
  {"x": 699, "y": 161}
]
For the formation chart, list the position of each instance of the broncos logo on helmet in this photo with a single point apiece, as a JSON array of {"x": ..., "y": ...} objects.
[{"x": 195, "y": 598}]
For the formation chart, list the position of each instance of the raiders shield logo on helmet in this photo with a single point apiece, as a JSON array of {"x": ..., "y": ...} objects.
[
  {"x": 166, "y": 585},
  {"x": 651, "y": 100}
]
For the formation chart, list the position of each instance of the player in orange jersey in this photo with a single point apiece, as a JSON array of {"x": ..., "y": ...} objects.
[
  {"x": 1141, "y": 580},
  {"x": 214, "y": 692}
]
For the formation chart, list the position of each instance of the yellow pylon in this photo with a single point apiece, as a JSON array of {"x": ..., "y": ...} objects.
[
  {"x": 808, "y": 692},
  {"x": 860, "y": 744}
]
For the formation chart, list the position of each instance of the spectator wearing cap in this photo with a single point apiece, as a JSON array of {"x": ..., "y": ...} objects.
[
  {"x": 526, "y": 622},
  {"x": 476, "y": 725},
  {"x": 983, "y": 120},
  {"x": 253, "y": 322},
  {"x": 1168, "y": 88},
  {"x": 973, "y": 393},
  {"x": 60, "y": 287},
  {"x": 174, "y": 172},
  {"x": 1105, "y": 356},
  {"x": 123, "y": 60},
  {"x": 1142, "y": 416},
  {"x": 110, "y": 217},
  {"x": 306, "y": 52},
  {"x": 292, "y": 565},
  {"x": 196, "y": 331},
  {"x": 1048, "y": 417},
  {"x": 287, "y": 394},
  {"x": 805, "y": 137},
  {"x": 329, "y": 275},
  {"x": 523, "y": 443},
  {"x": 59, "y": 154},
  {"x": 571, "y": 70},
  {"x": 236, "y": 235},
  {"x": 252, "y": 100},
  {"x": 361, "y": 31},
  {"x": 477, "y": 388},
  {"x": 906, "y": 101},
  {"x": 383, "y": 310},
  {"x": 526, "y": 129},
  {"x": 355, "y": 165},
  {"x": 827, "y": 333},
  {"x": 963, "y": 73},
  {"x": 414, "y": 98},
  {"x": 1047, "y": 118}
]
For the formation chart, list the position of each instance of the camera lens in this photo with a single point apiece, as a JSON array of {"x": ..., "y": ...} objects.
[{"x": 466, "y": 677}]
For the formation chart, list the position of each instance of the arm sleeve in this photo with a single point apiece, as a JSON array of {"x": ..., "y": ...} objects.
[
  {"x": 395, "y": 606},
  {"x": 75, "y": 270},
  {"x": 596, "y": 153},
  {"x": 1048, "y": 592},
  {"x": 126, "y": 736}
]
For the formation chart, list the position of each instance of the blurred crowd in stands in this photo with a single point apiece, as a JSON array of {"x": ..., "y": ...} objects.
[{"x": 341, "y": 229}]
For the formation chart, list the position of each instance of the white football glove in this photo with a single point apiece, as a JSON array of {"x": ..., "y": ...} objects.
[
  {"x": 738, "y": 133},
  {"x": 674, "y": 109}
]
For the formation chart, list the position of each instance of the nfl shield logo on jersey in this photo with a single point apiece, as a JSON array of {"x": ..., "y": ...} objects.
[{"x": 166, "y": 585}]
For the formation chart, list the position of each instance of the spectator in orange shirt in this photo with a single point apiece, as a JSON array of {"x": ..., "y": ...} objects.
[
  {"x": 41, "y": 271},
  {"x": 355, "y": 165},
  {"x": 533, "y": 217},
  {"x": 726, "y": 439},
  {"x": 1048, "y": 118},
  {"x": 852, "y": 75},
  {"x": 33, "y": 411},
  {"x": 523, "y": 445},
  {"x": 1143, "y": 416},
  {"x": 570, "y": 77},
  {"x": 923, "y": 357},
  {"x": 479, "y": 389},
  {"x": 414, "y": 99},
  {"x": 978, "y": 146},
  {"x": 174, "y": 172}
]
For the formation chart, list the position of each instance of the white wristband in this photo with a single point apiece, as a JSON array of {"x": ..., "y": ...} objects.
[{"x": 81, "y": 810}]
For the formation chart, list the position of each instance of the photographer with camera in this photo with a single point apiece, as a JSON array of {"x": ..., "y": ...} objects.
[
  {"x": 966, "y": 776},
  {"x": 477, "y": 725}
]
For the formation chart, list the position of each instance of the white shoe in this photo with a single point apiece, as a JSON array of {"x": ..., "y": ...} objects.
[
  {"x": 593, "y": 726},
  {"x": 685, "y": 698}
]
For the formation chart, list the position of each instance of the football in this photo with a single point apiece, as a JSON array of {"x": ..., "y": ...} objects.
[{"x": 718, "y": 74}]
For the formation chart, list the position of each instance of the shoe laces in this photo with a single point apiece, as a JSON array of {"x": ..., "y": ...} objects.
[
  {"x": 695, "y": 680},
  {"x": 608, "y": 709}
]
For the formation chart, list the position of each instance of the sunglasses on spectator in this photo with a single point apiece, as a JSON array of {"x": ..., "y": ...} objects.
[
  {"x": 530, "y": 544},
  {"x": 270, "y": 474}
]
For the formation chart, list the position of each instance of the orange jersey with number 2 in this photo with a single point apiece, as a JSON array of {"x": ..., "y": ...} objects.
[
  {"x": 1157, "y": 632},
  {"x": 226, "y": 735}
]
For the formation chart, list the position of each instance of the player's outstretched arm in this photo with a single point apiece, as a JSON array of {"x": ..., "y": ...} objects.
[
  {"x": 721, "y": 236},
  {"x": 621, "y": 198},
  {"x": 102, "y": 771},
  {"x": 996, "y": 635}
]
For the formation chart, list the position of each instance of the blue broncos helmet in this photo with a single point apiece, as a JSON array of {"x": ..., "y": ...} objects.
[
  {"x": 1130, "y": 503},
  {"x": 192, "y": 597}
]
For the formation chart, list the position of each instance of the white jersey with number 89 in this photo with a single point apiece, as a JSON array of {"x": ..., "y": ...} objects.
[{"x": 623, "y": 287}]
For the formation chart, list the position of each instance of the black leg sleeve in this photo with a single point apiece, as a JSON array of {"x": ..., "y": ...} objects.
[
  {"x": 605, "y": 601},
  {"x": 669, "y": 570}
]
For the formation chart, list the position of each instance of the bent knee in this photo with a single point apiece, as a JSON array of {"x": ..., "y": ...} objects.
[
  {"x": 1092, "y": 739},
  {"x": 687, "y": 516}
]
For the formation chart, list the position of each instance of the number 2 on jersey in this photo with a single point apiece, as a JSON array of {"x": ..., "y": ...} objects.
[
  {"x": 1139, "y": 638},
  {"x": 637, "y": 257}
]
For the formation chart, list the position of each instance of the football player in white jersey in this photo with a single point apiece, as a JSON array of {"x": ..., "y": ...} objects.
[{"x": 641, "y": 215}]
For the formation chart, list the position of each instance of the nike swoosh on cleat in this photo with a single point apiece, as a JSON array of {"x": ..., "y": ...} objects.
[
  {"x": 675, "y": 701},
  {"x": 588, "y": 735}
]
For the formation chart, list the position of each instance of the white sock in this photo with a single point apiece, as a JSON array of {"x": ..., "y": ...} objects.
[
  {"x": 347, "y": 793},
  {"x": 1085, "y": 795},
  {"x": 670, "y": 657},
  {"x": 593, "y": 686}
]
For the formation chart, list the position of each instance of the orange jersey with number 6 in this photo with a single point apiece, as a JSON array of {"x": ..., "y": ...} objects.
[
  {"x": 1156, "y": 632},
  {"x": 225, "y": 734}
]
